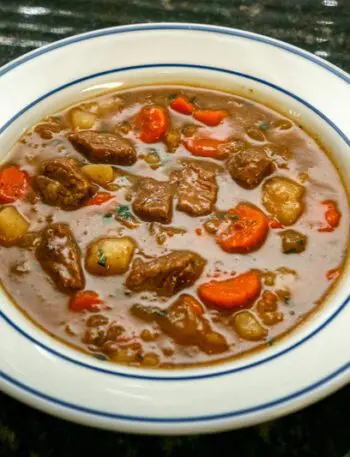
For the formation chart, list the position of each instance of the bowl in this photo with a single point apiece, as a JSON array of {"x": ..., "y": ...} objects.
[{"x": 310, "y": 363}]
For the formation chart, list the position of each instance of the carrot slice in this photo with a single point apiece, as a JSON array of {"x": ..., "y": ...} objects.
[
  {"x": 182, "y": 105},
  {"x": 206, "y": 147},
  {"x": 274, "y": 224},
  {"x": 333, "y": 274},
  {"x": 99, "y": 199},
  {"x": 238, "y": 292},
  {"x": 153, "y": 122},
  {"x": 332, "y": 216},
  {"x": 211, "y": 118},
  {"x": 246, "y": 231},
  {"x": 85, "y": 301},
  {"x": 13, "y": 184}
]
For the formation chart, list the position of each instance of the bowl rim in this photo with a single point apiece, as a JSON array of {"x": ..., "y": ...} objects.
[{"x": 206, "y": 28}]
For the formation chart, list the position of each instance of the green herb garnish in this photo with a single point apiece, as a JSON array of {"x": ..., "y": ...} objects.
[
  {"x": 269, "y": 343},
  {"x": 193, "y": 100},
  {"x": 162, "y": 313},
  {"x": 301, "y": 242},
  {"x": 221, "y": 215},
  {"x": 264, "y": 126},
  {"x": 122, "y": 181},
  {"x": 286, "y": 300},
  {"x": 234, "y": 217},
  {"x": 172, "y": 97},
  {"x": 124, "y": 212},
  {"x": 102, "y": 258}
]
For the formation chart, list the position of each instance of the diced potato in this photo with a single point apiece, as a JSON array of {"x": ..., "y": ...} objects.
[
  {"x": 82, "y": 119},
  {"x": 215, "y": 343},
  {"x": 172, "y": 140},
  {"x": 109, "y": 105},
  {"x": 109, "y": 256},
  {"x": 248, "y": 327},
  {"x": 283, "y": 198},
  {"x": 267, "y": 308},
  {"x": 13, "y": 226},
  {"x": 100, "y": 174},
  {"x": 153, "y": 159},
  {"x": 293, "y": 242},
  {"x": 127, "y": 354},
  {"x": 150, "y": 360}
]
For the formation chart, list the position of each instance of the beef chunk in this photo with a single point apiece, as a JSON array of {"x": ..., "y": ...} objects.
[
  {"x": 184, "y": 322},
  {"x": 196, "y": 188},
  {"x": 104, "y": 147},
  {"x": 61, "y": 183},
  {"x": 59, "y": 255},
  {"x": 249, "y": 167},
  {"x": 153, "y": 201},
  {"x": 166, "y": 275}
]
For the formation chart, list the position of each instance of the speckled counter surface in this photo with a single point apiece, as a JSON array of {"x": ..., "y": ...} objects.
[{"x": 322, "y": 27}]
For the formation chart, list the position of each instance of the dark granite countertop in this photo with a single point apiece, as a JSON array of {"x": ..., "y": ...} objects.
[{"x": 320, "y": 26}]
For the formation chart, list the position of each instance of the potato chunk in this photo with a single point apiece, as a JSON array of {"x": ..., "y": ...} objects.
[
  {"x": 293, "y": 242},
  {"x": 109, "y": 256},
  {"x": 82, "y": 119},
  {"x": 283, "y": 198},
  {"x": 100, "y": 174},
  {"x": 13, "y": 226},
  {"x": 248, "y": 327}
]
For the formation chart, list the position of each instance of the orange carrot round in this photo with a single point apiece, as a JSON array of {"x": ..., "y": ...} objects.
[
  {"x": 85, "y": 301},
  {"x": 13, "y": 184},
  {"x": 206, "y": 147},
  {"x": 153, "y": 122},
  {"x": 238, "y": 292},
  {"x": 99, "y": 198},
  {"x": 246, "y": 231},
  {"x": 333, "y": 274},
  {"x": 274, "y": 224},
  {"x": 182, "y": 105},
  {"x": 332, "y": 216},
  {"x": 211, "y": 118}
]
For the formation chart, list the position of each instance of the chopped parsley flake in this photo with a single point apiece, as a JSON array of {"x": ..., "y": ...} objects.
[
  {"x": 264, "y": 126},
  {"x": 162, "y": 313},
  {"x": 234, "y": 217},
  {"x": 124, "y": 212},
  {"x": 102, "y": 258},
  {"x": 286, "y": 300},
  {"x": 122, "y": 181},
  {"x": 269, "y": 343}
]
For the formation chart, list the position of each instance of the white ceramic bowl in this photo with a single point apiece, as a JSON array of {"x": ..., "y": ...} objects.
[{"x": 311, "y": 363}]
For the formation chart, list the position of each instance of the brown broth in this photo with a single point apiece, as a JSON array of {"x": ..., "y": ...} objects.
[{"x": 35, "y": 294}]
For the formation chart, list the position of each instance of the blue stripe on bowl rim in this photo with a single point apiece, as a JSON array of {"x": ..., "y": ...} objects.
[
  {"x": 212, "y": 29},
  {"x": 187, "y": 419}
]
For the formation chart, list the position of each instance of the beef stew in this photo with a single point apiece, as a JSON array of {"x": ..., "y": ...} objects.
[{"x": 170, "y": 226}]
